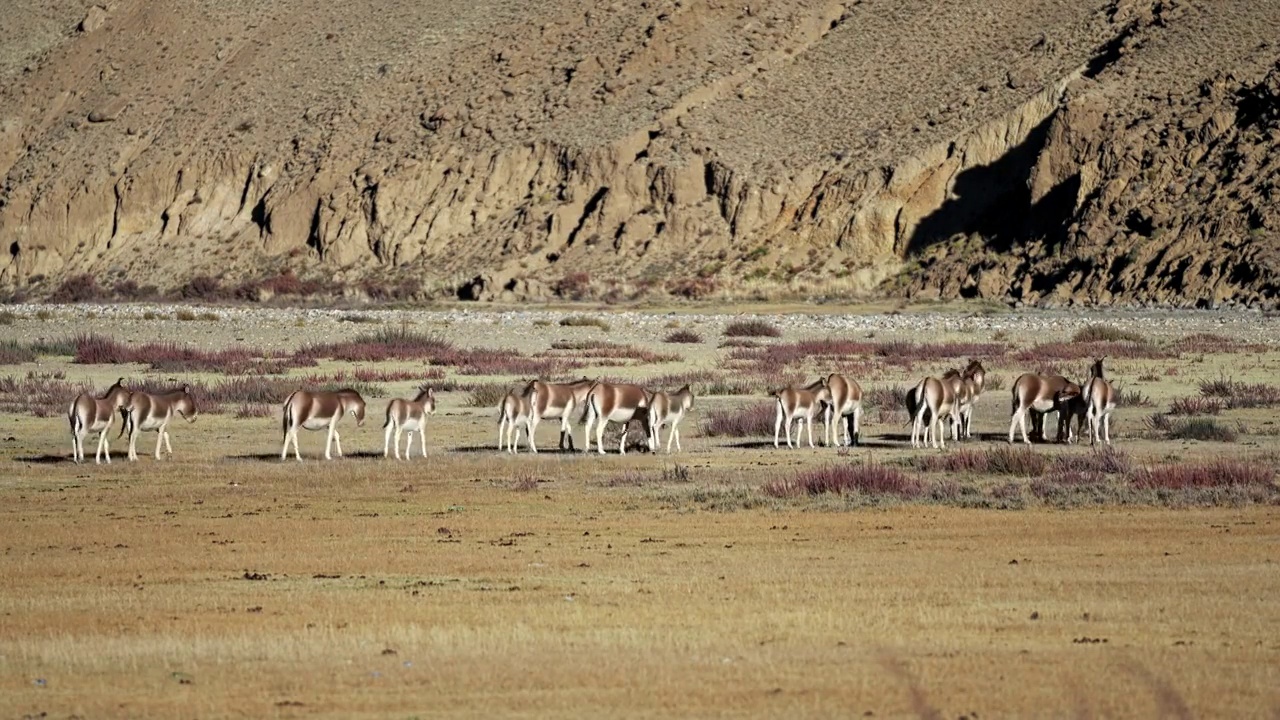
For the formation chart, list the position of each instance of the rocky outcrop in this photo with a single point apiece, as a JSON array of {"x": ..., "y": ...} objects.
[{"x": 619, "y": 151}]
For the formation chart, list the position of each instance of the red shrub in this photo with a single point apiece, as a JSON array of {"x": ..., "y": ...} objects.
[{"x": 1216, "y": 473}]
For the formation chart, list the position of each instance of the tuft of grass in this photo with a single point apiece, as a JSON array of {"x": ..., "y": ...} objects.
[
  {"x": 209, "y": 316},
  {"x": 584, "y": 321},
  {"x": 866, "y": 478},
  {"x": 185, "y": 315},
  {"x": 683, "y": 336},
  {"x": 751, "y": 328},
  {"x": 8, "y": 317},
  {"x": 357, "y": 318},
  {"x": 754, "y": 420},
  {"x": 1106, "y": 333}
]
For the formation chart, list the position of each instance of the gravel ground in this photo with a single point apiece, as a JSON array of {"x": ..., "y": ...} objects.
[{"x": 282, "y": 328}]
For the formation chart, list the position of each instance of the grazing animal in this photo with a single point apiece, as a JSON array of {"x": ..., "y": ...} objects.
[
  {"x": 318, "y": 410},
  {"x": 1069, "y": 403},
  {"x": 517, "y": 409},
  {"x": 934, "y": 398},
  {"x": 95, "y": 414},
  {"x": 1100, "y": 396},
  {"x": 845, "y": 407},
  {"x": 1034, "y": 393},
  {"x": 974, "y": 379},
  {"x": 408, "y": 416},
  {"x": 962, "y": 389},
  {"x": 667, "y": 409},
  {"x": 558, "y": 401},
  {"x": 609, "y": 402},
  {"x": 145, "y": 411},
  {"x": 800, "y": 405}
]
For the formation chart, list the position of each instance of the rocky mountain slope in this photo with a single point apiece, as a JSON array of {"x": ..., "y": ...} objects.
[{"x": 1034, "y": 150}]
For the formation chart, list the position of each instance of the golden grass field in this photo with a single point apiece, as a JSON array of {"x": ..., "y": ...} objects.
[{"x": 226, "y": 583}]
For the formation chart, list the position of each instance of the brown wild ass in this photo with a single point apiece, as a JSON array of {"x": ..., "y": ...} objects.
[
  {"x": 1069, "y": 403},
  {"x": 846, "y": 408},
  {"x": 1035, "y": 393},
  {"x": 667, "y": 409},
  {"x": 95, "y": 414},
  {"x": 408, "y": 416},
  {"x": 558, "y": 400},
  {"x": 1100, "y": 396},
  {"x": 974, "y": 379},
  {"x": 513, "y": 411},
  {"x": 153, "y": 412},
  {"x": 609, "y": 402},
  {"x": 800, "y": 405},
  {"x": 318, "y": 410},
  {"x": 935, "y": 398}
]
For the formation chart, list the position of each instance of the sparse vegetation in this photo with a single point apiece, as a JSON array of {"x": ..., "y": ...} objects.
[
  {"x": 683, "y": 336},
  {"x": 866, "y": 478},
  {"x": 754, "y": 420},
  {"x": 584, "y": 321},
  {"x": 1107, "y": 334},
  {"x": 751, "y": 328}
]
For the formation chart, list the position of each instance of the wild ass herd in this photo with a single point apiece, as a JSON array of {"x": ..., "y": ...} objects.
[{"x": 950, "y": 398}]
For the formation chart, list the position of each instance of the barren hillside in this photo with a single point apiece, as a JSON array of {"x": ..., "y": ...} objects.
[{"x": 1036, "y": 150}]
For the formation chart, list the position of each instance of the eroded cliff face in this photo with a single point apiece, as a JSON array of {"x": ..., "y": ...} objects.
[{"x": 693, "y": 148}]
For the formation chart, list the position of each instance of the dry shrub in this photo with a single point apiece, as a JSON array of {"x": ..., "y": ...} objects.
[
  {"x": 865, "y": 478},
  {"x": 254, "y": 410},
  {"x": 1089, "y": 350},
  {"x": 887, "y": 398},
  {"x": 41, "y": 394},
  {"x": 78, "y": 288},
  {"x": 1106, "y": 333},
  {"x": 999, "y": 460},
  {"x": 1215, "y": 473},
  {"x": 573, "y": 286},
  {"x": 754, "y": 420},
  {"x": 584, "y": 321},
  {"x": 1203, "y": 429},
  {"x": 13, "y": 352},
  {"x": 1133, "y": 398},
  {"x": 751, "y": 328},
  {"x": 1195, "y": 406},
  {"x": 692, "y": 288},
  {"x": 1235, "y": 394},
  {"x": 486, "y": 395},
  {"x": 201, "y": 287},
  {"x": 683, "y": 336},
  {"x": 1104, "y": 461}
]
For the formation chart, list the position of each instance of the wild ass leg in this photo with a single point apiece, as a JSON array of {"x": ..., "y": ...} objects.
[
  {"x": 168, "y": 448},
  {"x": 103, "y": 448},
  {"x": 386, "y": 441},
  {"x": 600, "y": 433},
  {"x": 408, "y": 445},
  {"x": 856, "y": 437},
  {"x": 422, "y": 435},
  {"x": 328, "y": 440},
  {"x": 532, "y": 425},
  {"x": 777, "y": 426},
  {"x": 1106, "y": 427},
  {"x": 809, "y": 423}
]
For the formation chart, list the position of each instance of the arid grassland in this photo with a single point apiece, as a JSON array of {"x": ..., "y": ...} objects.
[{"x": 731, "y": 579}]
